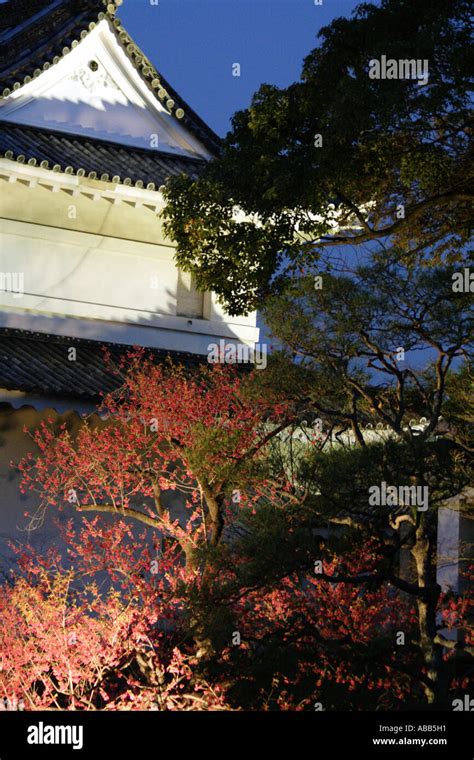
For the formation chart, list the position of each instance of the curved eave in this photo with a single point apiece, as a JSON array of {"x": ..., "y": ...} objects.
[{"x": 91, "y": 158}]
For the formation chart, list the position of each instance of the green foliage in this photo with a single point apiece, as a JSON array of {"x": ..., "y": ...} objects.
[
  {"x": 340, "y": 357},
  {"x": 343, "y": 475},
  {"x": 387, "y": 143}
]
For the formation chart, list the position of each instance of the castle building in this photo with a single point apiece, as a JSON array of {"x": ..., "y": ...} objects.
[{"x": 89, "y": 133}]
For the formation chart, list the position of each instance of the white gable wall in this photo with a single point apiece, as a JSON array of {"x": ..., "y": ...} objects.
[{"x": 112, "y": 102}]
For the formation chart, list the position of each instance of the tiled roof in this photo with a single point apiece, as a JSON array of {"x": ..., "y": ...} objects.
[
  {"x": 36, "y": 34},
  {"x": 90, "y": 157},
  {"x": 12, "y": 14},
  {"x": 38, "y": 363},
  {"x": 31, "y": 38}
]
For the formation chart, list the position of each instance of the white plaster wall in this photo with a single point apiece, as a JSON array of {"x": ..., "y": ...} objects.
[
  {"x": 85, "y": 275},
  {"x": 100, "y": 267}
]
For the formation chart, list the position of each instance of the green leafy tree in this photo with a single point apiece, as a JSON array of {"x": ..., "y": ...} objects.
[{"x": 339, "y": 158}]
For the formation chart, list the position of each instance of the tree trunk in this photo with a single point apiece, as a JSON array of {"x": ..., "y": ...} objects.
[
  {"x": 437, "y": 691},
  {"x": 204, "y": 646}
]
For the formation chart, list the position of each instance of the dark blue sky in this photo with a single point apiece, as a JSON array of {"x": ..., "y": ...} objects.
[{"x": 195, "y": 42}]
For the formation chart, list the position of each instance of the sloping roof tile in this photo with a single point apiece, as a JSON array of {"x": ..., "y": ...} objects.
[
  {"x": 91, "y": 155},
  {"x": 38, "y": 363}
]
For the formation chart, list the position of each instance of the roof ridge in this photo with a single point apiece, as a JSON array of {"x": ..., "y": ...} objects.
[{"x": 163, "y": 89}]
